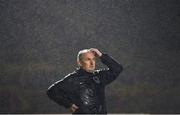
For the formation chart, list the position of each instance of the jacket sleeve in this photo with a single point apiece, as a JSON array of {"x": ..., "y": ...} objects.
[
  {"x": 112, "y": 72},
  {"x": 58, "y": 92}
]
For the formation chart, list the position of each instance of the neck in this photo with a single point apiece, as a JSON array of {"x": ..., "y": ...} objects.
[{"x": 90, "y": 72}]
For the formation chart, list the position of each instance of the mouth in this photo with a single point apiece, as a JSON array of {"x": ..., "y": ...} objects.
[{"x": 91, "y": 66}]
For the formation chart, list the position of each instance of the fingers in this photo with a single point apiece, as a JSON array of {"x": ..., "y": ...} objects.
[
  {"x": 96, "y": 52},
  {"x": 93, "y": 49},
  {"x": 74, "y": 108}
]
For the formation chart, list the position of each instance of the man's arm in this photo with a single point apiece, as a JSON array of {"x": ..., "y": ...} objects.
[
  {"x": 58, "y": 93},
  {"x": 113, "y": 70}
]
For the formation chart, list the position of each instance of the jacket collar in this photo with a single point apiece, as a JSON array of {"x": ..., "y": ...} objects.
[{"x": 83, "y": 72}]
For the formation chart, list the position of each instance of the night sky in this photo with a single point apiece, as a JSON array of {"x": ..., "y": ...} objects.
[{"x": 40, "y": 39}]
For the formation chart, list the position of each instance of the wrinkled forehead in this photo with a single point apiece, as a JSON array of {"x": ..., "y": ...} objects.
[{"x": 88, "y": 54}]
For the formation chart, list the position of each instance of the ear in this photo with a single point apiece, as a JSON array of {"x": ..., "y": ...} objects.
[{"x": 79, "y": 63}]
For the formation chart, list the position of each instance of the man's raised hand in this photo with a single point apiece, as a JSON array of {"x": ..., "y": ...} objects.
[{"x": 96, "y": 52}]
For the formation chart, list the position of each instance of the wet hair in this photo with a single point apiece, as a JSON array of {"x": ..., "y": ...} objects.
[{"x": 80, "y": 53}]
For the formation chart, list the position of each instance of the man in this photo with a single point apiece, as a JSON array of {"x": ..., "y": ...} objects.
[{"x": 83, "y": 91}]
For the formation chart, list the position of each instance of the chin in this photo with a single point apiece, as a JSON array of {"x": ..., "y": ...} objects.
[{"x": 91, "y": 71}]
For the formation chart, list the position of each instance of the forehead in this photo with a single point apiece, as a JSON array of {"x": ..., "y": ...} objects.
[{"x": 88, "y": 55}]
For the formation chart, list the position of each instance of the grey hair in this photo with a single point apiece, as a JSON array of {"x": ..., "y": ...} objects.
[{"x": 81, "y": 52}]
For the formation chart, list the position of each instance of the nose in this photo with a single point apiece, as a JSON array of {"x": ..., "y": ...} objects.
[{"x": 92, "y": 62}]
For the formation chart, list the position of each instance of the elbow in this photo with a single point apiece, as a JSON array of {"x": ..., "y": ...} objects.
[
  {"x": 119, "y": 69},
  {"x": 50, "y": 92}
]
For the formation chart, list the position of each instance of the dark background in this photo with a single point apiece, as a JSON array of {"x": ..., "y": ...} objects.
[{"x": 39, "y": 41}]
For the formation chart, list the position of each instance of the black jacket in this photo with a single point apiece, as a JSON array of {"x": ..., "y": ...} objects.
[{"x": 86, "y": 90}]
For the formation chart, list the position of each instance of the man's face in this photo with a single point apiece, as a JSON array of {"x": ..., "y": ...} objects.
[{"x": 88, "y": 62}]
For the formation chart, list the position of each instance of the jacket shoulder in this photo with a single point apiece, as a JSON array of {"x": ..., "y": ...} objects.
[
  {"x": 69, "y": 77},
  {"x": 100, "y": 70}
]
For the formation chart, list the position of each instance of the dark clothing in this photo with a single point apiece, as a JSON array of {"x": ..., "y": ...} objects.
[{"x": 86, "y": 90}]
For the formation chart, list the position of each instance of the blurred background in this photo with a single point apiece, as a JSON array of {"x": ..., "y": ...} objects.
[{"x": 39, "y": 41}]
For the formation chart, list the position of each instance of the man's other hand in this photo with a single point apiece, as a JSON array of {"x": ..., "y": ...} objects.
[{"x": 73, "y": 108}]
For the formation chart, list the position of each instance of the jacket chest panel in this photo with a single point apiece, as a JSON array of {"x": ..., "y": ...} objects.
[{"x": 88, "y": 90}]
